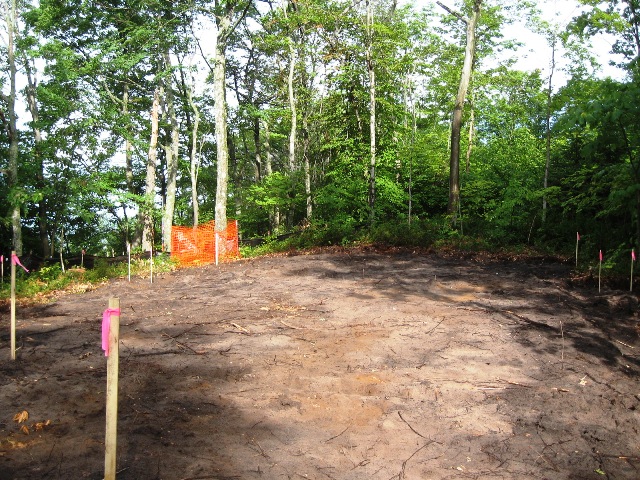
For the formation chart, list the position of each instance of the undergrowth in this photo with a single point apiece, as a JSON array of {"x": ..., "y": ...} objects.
[
  {"x": 50, "y": 278},
  {"x": 434, "y": 234}
]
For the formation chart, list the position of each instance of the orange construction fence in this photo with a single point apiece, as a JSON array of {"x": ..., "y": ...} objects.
[{"x": 199, "y": 245}]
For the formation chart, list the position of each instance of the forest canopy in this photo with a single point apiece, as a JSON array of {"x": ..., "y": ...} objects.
[{"x": 121, "y": 118}]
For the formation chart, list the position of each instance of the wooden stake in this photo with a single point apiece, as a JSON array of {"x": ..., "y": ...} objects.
[
  {"x": 577, "y": 243},
  {"x": 151, "y": 262},
  {"x": 2, "y": 267},
  {"x": 599, "y": 270},
  {"x": 129, "y": 260},
  {"x": 633, "y": 259},
  {"x": 112, "y": 394},
  {"x": 61, "y": 247},
  {"x": 13, "y": 306}
]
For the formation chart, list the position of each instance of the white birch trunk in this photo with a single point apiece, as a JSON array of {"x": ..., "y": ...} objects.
[
  {"x": 372, "y": 113},
  {"x": 274, "y": 215},
  {"x": 150, "y": 187},
  {"x": 548, "y": 133},
  {"x": 292, "y": 105},
  {"x": 194, "y": 164},
  {"x": 16, "y": 226},
  {"x": 220, "y": 116},
  {"x": 456, "y": 122},
  {"x": 172, "y": 152},
  {"x": 37, "y": 138}
]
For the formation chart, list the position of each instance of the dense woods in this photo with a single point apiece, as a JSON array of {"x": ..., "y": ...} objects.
[{"x": 121, "y": 118}]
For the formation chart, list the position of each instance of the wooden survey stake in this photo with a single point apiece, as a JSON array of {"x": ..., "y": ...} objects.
[
  {"x": 112, "y": 389},
  {"x": 13, "y": 306}
]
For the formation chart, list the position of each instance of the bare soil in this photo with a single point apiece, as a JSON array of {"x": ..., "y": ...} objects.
[{"x": 335, "y": 365}]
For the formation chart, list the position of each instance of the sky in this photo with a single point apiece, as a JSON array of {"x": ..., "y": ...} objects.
[{"x": 536, "y": 53}]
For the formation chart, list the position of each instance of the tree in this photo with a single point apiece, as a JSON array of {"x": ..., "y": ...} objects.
[
  {"x": 372, "y": 112},
  {"x": 171, "y": 153},
  {"x": 150, "y": 185},
  {"x": 32, "y": 103},
  {"x": 548, "y": 127},
  {"x": 228, "y": 14},
  {"x": 456, "y": 121},
  {"x": 15, "y": 195},
  {"x": 620, "y": 18}
]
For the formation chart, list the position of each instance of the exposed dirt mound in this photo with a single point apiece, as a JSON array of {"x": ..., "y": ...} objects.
[{"x": 342, "y": 365}]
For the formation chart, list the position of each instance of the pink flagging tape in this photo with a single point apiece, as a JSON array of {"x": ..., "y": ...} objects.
[
  {"x": 106, "y": 327},
  {"x": 16, "y": 261}
]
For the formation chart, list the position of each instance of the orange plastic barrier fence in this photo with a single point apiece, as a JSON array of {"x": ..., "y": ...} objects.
[{"x": 197, "y": 246}]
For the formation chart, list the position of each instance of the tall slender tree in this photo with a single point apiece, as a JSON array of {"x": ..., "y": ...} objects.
[
  {"x": 172, "y": 150},
  {"x": 15, "y": 199},
  {"x": 471, "y": 23},
  {"x": 228, "y": 14},
  {"x": 372, "y": 112},
  {"x": 147, "y": 212},
  {"x": 38, "y": 157}
]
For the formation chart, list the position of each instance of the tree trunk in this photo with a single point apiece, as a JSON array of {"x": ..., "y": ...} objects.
[
  {"x": 235, "y": 169},
  {"x": 128, "y": 150},
  {"x": 293, "y": 132},
  {"x": 548, "y": 119},
  {"x": 307, "y": 168},
  {"x": 171, "y": 152},
  {"x": 37, "y": 138},
  {"x": 258, "y": 146},
  {"x": 14, "y": 187},
  {"x": 194, "y": 165},
  {"x": 470, "y": 138},
  {"x": 372, "y": 114},
  {"x": 220, "y": 116},
  {"x": 456, "y": 122},
  {"x": 274, "y": 215},
  {"x": 292, "y": 105},
  {"x": 150, "y": 188},
  {"x": 133, "y": 238}
]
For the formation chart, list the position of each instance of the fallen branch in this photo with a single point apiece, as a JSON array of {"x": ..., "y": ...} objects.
[
  {"x": 401, "y": 475},
  {"x": 625, "y": 344},
  {"x": 439, "y": 323},
  {"x": 409, "y": 425},
  {"x": 182, "y": 344},
  {"x": 242, "y": 329},
  {"x": 289, "y": 326},
  {"x": 336, "y": 436},
  {"x": 513, "y": 383}
]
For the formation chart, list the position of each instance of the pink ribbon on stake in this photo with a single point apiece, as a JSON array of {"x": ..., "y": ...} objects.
[
  {"x": 633, "y": 255},
  {"x": 600, "y": 255},
  {"x": 16, "y": 261},
  {"x": 106, "y": 327},
  {"x": 578, "y": 236}
]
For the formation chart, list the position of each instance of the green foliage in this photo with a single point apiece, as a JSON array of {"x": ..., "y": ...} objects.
[
  {"x": 94, "y": 58},
  {"x": 418, "y": 233},
  {"x": 50, "y": 279}
]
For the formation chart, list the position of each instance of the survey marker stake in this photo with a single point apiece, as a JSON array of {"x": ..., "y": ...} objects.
[{"x": 110, "y": 339}]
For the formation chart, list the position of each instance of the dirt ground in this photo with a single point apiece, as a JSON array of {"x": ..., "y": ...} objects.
[{"x": 334, "y": 365}]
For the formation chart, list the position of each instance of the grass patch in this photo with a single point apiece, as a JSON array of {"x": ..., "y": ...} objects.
[{"x": 50, "y": 280}]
